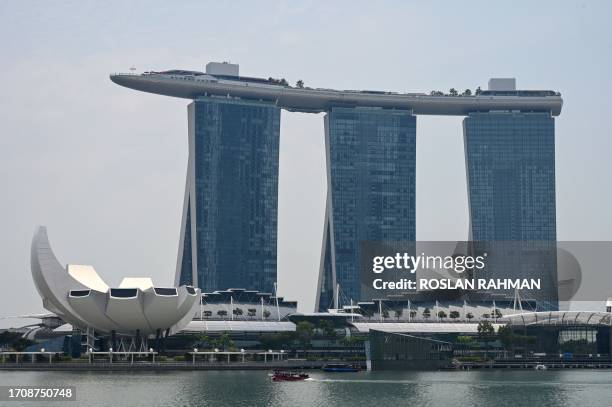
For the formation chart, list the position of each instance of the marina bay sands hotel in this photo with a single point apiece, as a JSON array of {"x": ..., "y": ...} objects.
[{"x": 229, "y": 225}]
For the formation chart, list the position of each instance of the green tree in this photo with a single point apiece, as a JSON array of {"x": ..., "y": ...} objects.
[
  {"x": 506, "y": 337},
  {"x": 14, "y": 341},
  {"x": 237, "y": 312},
  {"x": 412, "y": 313},
  {"x": 222, "y": 313},
  {"x": 441, "y": 315},
  {"x": 351, "y": 340},
  {"x": 266, "y": 314},
  {"x": 225, "y": 341},
  {"x": 478, "y": 91},
  {"x": 464, "y": 339},
  {"x": 328, "y": 329},
  {"x": 251, "y": 312},
  {"x": 486, "y": 334},
  {"x": 398, "y": 313},
  {"x": 454, "y": 315},
  {"x": 304, "y": 332},
  {"x": 385, "y": 314},
  {"x": 203, "y": 341},
  {"x": 467, "y": 92},
  {"x": 469, "y": 316},
  {"x": 299, "y": 84},
  {"x": 453, "y": 92},
  {"x": 426, "y": 313}
]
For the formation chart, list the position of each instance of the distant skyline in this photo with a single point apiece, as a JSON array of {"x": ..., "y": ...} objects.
[{"x": 103, "y": 167}]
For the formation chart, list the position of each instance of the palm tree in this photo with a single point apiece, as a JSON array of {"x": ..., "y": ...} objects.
[
  {"x": 478, "y": 91},
  {"x": 299, "y": 84},
  {"x": 225, "y": 341}
]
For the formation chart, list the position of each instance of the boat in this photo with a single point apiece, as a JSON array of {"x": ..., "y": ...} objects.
[
  {"x": 540, "y": 367},
  {"x": 340, "y": 367},
  {"x": 288, "y": 376}
]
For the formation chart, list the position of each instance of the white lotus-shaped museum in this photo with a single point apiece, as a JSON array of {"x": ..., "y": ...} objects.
[{"x": 78, "y": 295}]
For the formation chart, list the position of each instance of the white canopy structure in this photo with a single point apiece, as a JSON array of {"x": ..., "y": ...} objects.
[
  {"x": 560, "y": 318},
  {"x": 78, "y": 295}
]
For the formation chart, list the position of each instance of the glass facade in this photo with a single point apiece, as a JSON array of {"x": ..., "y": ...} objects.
[
  {"x": 510, "y": 162},
  {"x": 579, "y": 339},
  {"x": 371, "y": 165},
  {"x": 230, "y": 218},
  {"x": 390, "y": 351}
]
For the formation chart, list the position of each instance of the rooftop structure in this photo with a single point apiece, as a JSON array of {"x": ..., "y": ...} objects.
[
  {"x": 223, "y": 80},
  {"x": 237, "y": 304},
  {"x": 500, "y": 84}
]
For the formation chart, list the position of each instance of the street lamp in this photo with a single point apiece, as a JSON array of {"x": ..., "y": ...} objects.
[{"x": 195, "y": 350}]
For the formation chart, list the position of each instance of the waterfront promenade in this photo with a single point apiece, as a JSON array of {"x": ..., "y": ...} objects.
[{"x": 163, "y": 366}]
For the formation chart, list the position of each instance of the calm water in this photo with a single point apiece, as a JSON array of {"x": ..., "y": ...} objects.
[{"x": 225, "y": 388}]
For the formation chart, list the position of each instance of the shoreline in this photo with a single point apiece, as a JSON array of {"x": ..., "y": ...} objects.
[
  {"x": 508, "y": 365},
  {"x": 163, "y": 366}
]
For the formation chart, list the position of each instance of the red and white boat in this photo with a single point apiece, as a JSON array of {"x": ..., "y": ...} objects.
[{"x": 288, "y": 376}]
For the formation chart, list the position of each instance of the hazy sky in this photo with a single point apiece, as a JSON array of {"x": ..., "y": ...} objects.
[{"x": 104, "y": 166}]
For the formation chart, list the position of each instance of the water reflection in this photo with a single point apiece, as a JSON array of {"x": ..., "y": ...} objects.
[{"x": 254, "y": 388}]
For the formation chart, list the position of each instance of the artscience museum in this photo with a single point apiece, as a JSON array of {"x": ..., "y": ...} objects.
[{"x": 136, "y": 309}]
